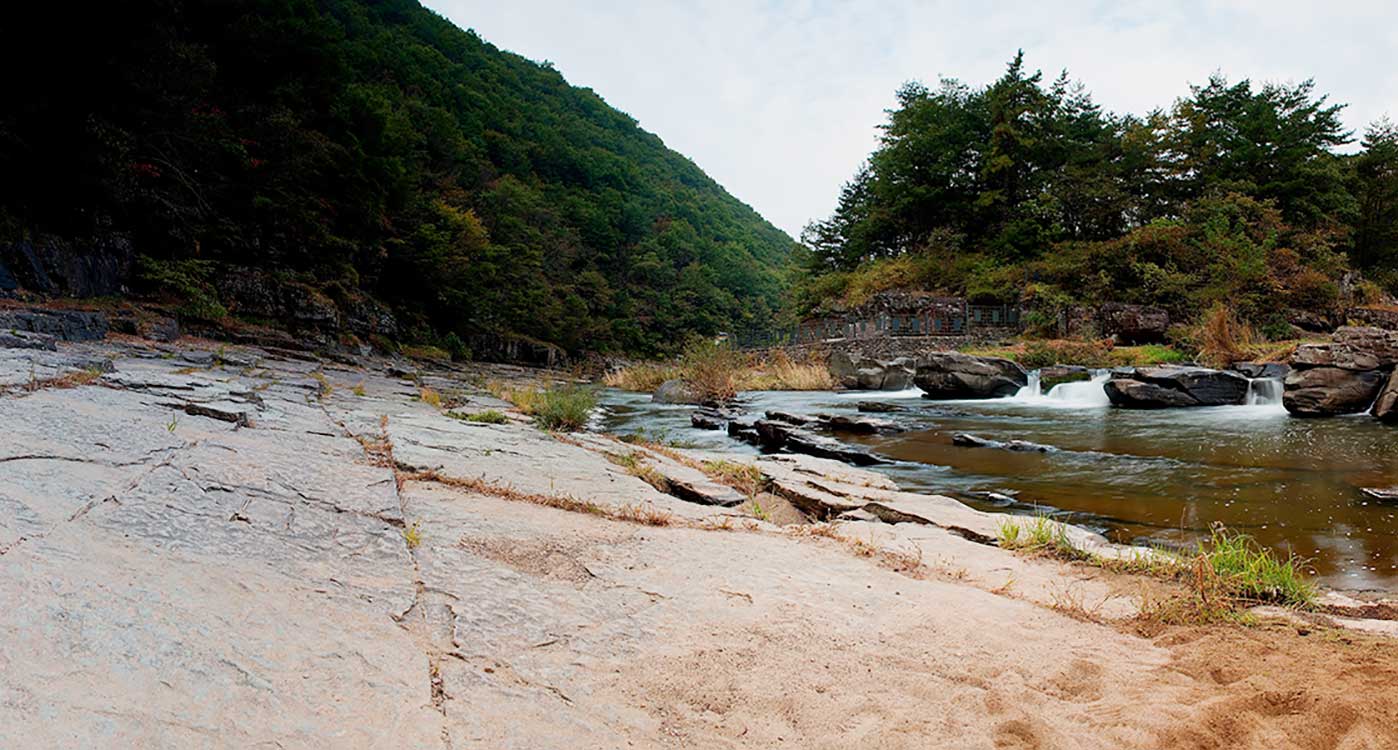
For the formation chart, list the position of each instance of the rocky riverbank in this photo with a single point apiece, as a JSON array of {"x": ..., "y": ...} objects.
[{"x": 208, "y": 545}]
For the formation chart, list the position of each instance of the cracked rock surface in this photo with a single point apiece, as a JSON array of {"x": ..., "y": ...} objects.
[{"x": 237, "y": 549}]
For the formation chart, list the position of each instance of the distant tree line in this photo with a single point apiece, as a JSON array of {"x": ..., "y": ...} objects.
[
  {"x": 373, "y": 146},
  {"x": 1026, "y": 188}
]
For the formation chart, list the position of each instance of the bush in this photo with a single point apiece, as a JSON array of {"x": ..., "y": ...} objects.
[
  {"x": 186, "y": 280},
  {"x": 712, "y": 370},
  {"x": 564, "y": 409}
]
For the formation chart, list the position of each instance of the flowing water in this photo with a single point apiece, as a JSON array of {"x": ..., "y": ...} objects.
[{"x": 1138, "y": 476}]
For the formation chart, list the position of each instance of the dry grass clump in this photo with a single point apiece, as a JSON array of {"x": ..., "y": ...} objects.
[
  {"x": 489, "y": 416},
  {"x": 430, "y": 397},
  {"x": 711, "y": 370},
  {"x": 1223, "y": 337},
  {"x": 642, "y": 378},
  {"x": 634, "y": 513},
  {"x": 717, "y": 372},
  {"x": 779, "y": 372},
  {"x": 742, "y": 477}
]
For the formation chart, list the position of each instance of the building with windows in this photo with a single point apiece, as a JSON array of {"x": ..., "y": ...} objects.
[{"x": 909, "y": 314}]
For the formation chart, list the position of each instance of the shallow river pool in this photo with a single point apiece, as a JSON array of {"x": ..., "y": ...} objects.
[{"x": 1137, "y": 476}]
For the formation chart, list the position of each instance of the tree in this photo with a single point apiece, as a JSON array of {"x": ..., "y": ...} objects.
[{"x": 1376, "y": 174}]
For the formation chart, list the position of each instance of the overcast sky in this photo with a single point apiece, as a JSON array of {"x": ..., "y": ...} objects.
[{"x": 779, "y": 100}]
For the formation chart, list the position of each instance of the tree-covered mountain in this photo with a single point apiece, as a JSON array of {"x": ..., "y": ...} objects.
[
  {"x": 1025, "y": 190},
  {"x": 370, "y": 146}
]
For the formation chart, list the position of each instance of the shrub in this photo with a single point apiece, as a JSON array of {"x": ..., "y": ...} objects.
[
  {"x": 565, "y": 409},
  {"x": 188, "y": 280},
  {"x": 712, "y": 370}
]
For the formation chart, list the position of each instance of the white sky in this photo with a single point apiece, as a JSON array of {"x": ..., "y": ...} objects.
[{"x": 778, "y": 100}]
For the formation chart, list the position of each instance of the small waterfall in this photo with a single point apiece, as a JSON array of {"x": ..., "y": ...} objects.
[
  {"x": 1082, "y": 394},
  {"x": 1030, "y": 392},
  {"x": 1264, "y": 392}
]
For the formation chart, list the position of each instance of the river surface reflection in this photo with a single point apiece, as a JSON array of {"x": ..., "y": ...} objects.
[{"x": 1137, "y": 476}]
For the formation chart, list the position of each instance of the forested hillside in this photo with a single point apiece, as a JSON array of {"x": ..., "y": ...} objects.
[
  {"x": 369, "y": 146},
  {"x": 1026, "y": 190}
]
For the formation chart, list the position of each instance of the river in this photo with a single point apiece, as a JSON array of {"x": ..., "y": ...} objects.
[{"x": 1160, "y": 477}]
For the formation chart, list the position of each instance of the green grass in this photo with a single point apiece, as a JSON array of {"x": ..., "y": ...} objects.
[
  {"x": 1147, "y": 354},
  {"x": 489, "y": 416},
  {"x": 1250, "y": 572},
  {"x": 1224, "y": 576},
  {"x": 563, "y": 409}
]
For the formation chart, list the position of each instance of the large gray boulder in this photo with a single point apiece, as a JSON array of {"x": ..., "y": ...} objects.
[
  {"x": 1169, "y": 387},
  {"x": 1327, "y": 391},
  {"x": 1134, "y": 324},
  {"x": 857, "y": 372},
  {"x": 64, "y": 325},
  {"x": 674, "y": 392},
  {"x": 953, "y": 375}
]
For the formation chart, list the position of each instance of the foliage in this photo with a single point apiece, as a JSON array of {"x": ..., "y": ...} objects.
[
  {"x": 711, "y": 369},
  {"x": 373, "y": 145},
  {"x": 564, "y": 409},
  {"x": 1024, "y": 190},
  {"x": 188, "y": 281}
]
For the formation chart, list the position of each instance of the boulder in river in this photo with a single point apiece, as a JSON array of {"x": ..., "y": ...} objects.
[
  {"x": 1327, "y": 391},
  {"x": 953, "y": 375},
  {"x": 967, "y": 440},
  {"x": 781, "y": 435},
  {"x": 1262, "y": 369},
  {"x": 877, "y": 407},
  {"x": 674, "y": 392},
  {"x": 857, "y": 372},
  {"x": 1168, "y": 387}
]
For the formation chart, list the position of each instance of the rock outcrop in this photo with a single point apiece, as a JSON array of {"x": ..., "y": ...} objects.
[
  {"x": 63, "y": 325},
  {"x": 777, "y": 435},
  {"x": 857, "y": 372},
  {"x": 1169, "y": 387},
  {"x": 1134, "y": 324},
  {"x": 95, "y": 267},
  {"x": 1060, "y": 374},
  {"x": 953, "y": 375},
  {"x": 1386, "y": 405},
  {"x": 1344, "y": 376}
]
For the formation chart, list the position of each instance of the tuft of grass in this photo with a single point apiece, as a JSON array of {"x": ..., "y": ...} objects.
[
  {"x": 412, "y": 535},
  {"x": 742, "y": 477},
  {"x": 489, "y": 416},
  {"x": 323, "y": 385},
  {"x": 1223, "y": 577},
  {"x": 565, "y": 409},
  {"x": 757, "y": 511},
  {"x": 430, "y": 397},
  {"x": 780, "y": 373},
  {"x": 429, "y": 353},
  {"x": 1040, "y": 535},
  {"x": 1249, "y": 572},
  {"x": 358, "y": 389}
]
